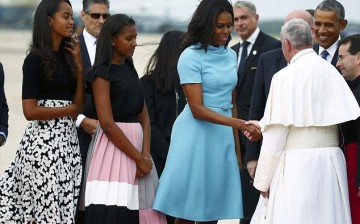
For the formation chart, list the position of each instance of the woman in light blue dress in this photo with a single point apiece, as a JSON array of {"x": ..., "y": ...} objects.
[{"x": 201, "y": 180}]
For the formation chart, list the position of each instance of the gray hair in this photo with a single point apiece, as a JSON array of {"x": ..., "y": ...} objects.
[
  {"x": 246, "y": 4},
  {"x": 298, "y": 32},
  {"x": 88, "y": 3},
  {"x": 332, "y": 6}
]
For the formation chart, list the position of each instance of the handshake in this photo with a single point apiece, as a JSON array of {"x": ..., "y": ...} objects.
[{"x": 252, "y": 130}]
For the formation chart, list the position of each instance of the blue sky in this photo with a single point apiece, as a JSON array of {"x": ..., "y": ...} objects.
[{"x": 183, "y": 9}]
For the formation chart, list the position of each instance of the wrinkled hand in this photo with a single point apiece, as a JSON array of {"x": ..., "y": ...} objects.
[
  {"x": 144, "y": 166},
  {"x": 251, "y": 167},
  {"x": 89, "y": 125},
  {"x": 252, "y": 131}
]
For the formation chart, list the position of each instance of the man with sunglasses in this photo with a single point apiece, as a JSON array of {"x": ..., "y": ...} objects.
[{"x": 94, "y": 14}]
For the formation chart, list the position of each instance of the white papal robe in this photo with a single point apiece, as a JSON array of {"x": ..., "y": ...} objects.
[{"x": 301, "y": 164}]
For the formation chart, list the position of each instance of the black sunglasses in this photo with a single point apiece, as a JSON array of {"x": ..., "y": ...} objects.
[{"x": 97, "y": 15}]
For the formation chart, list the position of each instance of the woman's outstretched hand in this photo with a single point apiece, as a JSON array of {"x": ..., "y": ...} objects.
[{"x": 252, "y": 131}]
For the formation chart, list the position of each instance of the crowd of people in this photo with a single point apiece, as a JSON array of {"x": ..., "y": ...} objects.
[{"x": 266, "y": 131}]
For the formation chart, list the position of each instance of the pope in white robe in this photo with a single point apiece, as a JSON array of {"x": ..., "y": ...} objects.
[{"x": 301, "y": 170}]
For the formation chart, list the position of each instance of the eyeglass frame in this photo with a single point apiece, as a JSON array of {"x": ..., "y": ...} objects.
[
  {"x": 341, "y": 57},
  {"x": 95, "y": 15}
]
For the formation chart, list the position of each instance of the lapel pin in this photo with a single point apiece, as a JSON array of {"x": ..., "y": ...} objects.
[{"x": 254, "y": 52}]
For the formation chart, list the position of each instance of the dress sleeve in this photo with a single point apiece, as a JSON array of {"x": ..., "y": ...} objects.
[
  {"x": 32, "y": 73},
  {"x": 101, "y": 71},
  {"x": 274, "y": 139},
  {"x": 189, "y": 66}
]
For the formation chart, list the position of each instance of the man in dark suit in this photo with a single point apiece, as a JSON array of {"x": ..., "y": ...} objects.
[
  {"x": 269, "y": 63},
  {"x": 329, "y": 22},
  {"x": 253, "y": 42},
  {"x": 94, "y": 14},
  {"x": 4, "y": 110}
]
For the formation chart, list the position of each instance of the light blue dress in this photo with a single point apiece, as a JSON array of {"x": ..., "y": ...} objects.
[{"x": 201, "y": 180}]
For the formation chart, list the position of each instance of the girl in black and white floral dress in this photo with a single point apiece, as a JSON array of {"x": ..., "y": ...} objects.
[{"x": 42, "y": 184}]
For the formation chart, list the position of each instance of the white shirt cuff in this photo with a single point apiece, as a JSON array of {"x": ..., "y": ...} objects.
[{"x": 79, "y": 119}]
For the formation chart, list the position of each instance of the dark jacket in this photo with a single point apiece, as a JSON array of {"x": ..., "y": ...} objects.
[
  {"x": 4, "y": 109},
  {"x": 163, "y": 109},
  {"x": 269, "y": 63}
]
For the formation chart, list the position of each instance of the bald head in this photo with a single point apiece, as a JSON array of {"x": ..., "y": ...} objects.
[{"x": 300, "y": 14}]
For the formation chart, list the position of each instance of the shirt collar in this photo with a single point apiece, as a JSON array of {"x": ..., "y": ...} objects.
[
  {"x": 332, "y": 49},
  {"x": 301, "y": 53},
  {"x": 88, "y": 37},
  {"x": 252, "y": 37}
]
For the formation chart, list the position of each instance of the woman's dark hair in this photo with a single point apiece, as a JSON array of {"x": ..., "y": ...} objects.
[
  {"x": 112, "y": 27},
  {"x": 202, "y": 24},
  {"x": 162, "y": 66},
  {"x": 42, "y": 38}
]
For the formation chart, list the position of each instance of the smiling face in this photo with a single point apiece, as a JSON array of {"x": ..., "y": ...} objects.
[
  {"x": 124, "y": 44},
  {"x": 327, "y": 27},
  {"x": 223, "y": 28},
  {"x": 347, "y": 63},
  {"x": 62, "y": 23}
]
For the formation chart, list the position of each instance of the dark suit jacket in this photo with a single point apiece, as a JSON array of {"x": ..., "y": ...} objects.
[
  {"x": 244, "y": 87},
  {"x": 4, "y": 109},
  {"x": 89, "y": 108},
  {"x": 269, "y": 63},
  {"x": 163, "y": 109},
  {"x": 334, "y": 59},
  {"x": 245, "y": 84}
]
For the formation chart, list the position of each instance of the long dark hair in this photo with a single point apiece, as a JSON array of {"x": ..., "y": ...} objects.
[
  {"x": 162, "y": 66},
  {"x": 42, "y": 39},
  {"x": 202, "y": 24},
  {"x": 112, "y": 27}
]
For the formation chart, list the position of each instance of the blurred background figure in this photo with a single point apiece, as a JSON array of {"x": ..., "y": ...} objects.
[
  {"x": 312, "y": 13},
  {"x": 164, "y": 96},
  {"x": 4, "y": 109},
  {"x": 253, "y": 42},
  {"x": 349, "y": 66}
]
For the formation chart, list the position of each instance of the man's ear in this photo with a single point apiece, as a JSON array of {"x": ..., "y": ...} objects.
[
  {"x": 287, "y": 45},
  {"x": 343, "y": 24},
  {"x": 357, "y": 58}
]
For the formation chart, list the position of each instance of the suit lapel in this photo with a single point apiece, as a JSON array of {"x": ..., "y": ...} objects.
[
  {"x": 256, "y": 48},
  {"x": 84, "y": 55},
  {"x": 334, "y": 59}
]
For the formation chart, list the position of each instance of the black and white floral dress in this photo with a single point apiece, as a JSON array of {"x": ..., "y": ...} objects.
[{"x": 42, "y": 184}]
